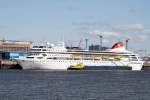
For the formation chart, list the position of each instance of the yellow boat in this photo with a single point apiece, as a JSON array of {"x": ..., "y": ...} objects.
[{"x": 77, "y": 67}]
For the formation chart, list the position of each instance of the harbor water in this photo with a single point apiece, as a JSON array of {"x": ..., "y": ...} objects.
[{"x": 74, "y": 85}]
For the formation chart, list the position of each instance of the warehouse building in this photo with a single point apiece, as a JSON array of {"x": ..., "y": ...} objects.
[{"x": 10, "y": 49}]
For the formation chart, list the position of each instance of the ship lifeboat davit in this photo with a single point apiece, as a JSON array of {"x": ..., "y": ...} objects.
[{"x": 76, "y": 67}]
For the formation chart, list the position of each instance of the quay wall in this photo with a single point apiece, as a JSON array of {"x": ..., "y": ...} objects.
[
  {"x": 146, "y": 66},
  {"x": 7, "y": 64}
]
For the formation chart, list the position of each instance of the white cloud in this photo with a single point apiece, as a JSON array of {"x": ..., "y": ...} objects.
[
  {"x": 110, "y": 33},
  {"x": 127, "y": 28},
  {"x": 105, "y": 41},
  {"x": 147, "y": 31},
  {"x": 142, "y": 38},
  {"x": 137, "y": 33},
  {"x": 96, "y": 32},
  {"x": 135, "y": 26}
]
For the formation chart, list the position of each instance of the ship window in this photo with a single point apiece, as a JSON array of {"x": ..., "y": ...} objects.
[
  {"x": 35, "y": 49},
  {"x": 39, "y": 57},
  {"x": 54, "y": 58},
  {"x": 44, "y": 55},
  {"x": 44, "y": 50},
  {"x": 42, "y": 46},
  {"x": 134, "y": 59},
  {"x": 49, "y": 58},
  {"x": 35, "y": 46},
  {"x": 30, "y": 57}
]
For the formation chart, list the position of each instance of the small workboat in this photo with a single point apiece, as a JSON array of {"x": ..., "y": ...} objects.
[{"x": 76, "y": 67}]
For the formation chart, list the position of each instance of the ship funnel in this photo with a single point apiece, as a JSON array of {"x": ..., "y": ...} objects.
[{"x": 118, "y": 47}]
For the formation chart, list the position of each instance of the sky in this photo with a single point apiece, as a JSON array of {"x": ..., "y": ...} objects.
[{"x": 74, "y": 20}]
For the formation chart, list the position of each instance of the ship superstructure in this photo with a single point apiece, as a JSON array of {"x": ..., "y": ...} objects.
[{"x": 59, "y": 57}]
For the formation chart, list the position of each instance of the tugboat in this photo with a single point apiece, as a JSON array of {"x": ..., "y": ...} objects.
[{"x": 77, "y": 67}]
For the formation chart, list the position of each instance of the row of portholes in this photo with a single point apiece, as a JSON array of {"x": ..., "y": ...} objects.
[
  {"x": 57, "y": 55},
  {"x": 73, "y": 61}
]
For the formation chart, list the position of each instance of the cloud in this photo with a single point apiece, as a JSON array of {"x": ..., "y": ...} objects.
[
  {"x": 97, "y": 32},
  {"x": 106, "y": 34},
  {"x": 128, "y": 28},
  {"x": 109, "y": 33},
  {"x": 142, "y": 38},
  {"x": 147, "y": 31},
  {"x": 90, "y": 24},
  {"x": 135, "y": 27},
  {"x": 126, "y": 31},
  {"x": 135, "y": 32},
  {"x": 120, "y": 29}
]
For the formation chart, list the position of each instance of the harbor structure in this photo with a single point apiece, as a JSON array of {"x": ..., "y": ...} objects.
[
  {"x": 86, "y": 41},
  {"x": 97, "y": 48},
  {"x": 127, "y": 41},
  {"x": 12, "y": 49},
  {"x": 101, "y": 41},
  {"x": 12, "y": 45},
  {"x": 146, "y": 62}
]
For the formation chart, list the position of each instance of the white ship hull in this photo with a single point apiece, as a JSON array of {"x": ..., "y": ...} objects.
[{"x": 64, "y": 65}]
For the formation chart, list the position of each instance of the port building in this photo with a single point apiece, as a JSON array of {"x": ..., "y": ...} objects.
[
  {"x": 97, "y": 48},
  {"x": 11, "y": 46},
  {"x": 11, "y": 49}
]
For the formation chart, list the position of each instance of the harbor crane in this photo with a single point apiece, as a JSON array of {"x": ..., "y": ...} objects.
[{"x": 81, "y": 40}]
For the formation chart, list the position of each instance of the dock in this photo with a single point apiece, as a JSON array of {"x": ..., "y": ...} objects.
[
  {"x": 8, "y": 64},
  {"x": 146, "y": 66}
]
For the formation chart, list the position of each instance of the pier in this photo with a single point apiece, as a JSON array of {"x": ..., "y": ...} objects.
[
  {"x": 146, "y": 66},
  {"x": 7, "y": 64}
]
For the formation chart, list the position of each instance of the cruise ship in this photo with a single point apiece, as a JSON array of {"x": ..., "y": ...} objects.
[{"x": 60, "y": 57}]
